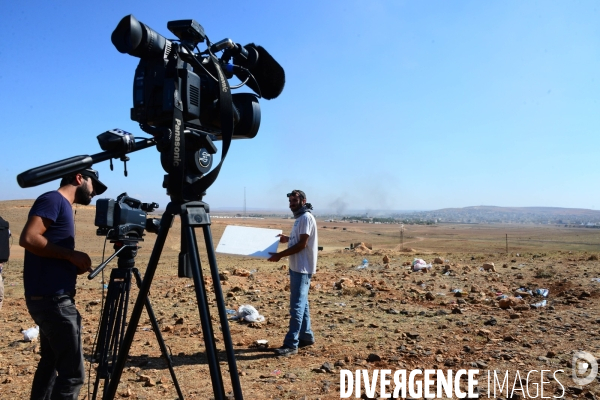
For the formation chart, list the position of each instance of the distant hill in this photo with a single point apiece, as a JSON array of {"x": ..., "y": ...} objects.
[
  {"x": 493, "y": 214},
  {"x": 467, "y": 215}
]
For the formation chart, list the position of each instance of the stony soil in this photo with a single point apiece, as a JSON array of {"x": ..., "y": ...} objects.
[{"x": 384, "y": 316}]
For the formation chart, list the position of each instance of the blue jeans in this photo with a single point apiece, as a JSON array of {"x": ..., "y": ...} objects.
[
  {"x": 299, "y": 311},
  {"x": 60, "y": 372}
]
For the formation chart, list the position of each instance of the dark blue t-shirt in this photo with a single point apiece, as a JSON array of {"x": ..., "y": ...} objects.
[{"x": 43, "y": 275}]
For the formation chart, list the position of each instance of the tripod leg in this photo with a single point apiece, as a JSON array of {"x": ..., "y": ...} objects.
[
  {"x": 207, "y": 331},
  {"x": 136, "y": 313},
  {"x": 112, "y": 324},
  {"x": 212, "y": 260},
  {"x": 159, "y": 338}
]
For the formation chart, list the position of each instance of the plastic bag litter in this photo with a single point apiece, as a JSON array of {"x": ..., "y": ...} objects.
[
  {"x": 541, "y": 292},
  {"x": 249, "y": 313},
  {"x": 31, "y": 334},
  {"x": 419, "y": 264},
  {"x": 524, "y": 292},
  {"x": 365, "y": 264},
  {"x": 539, "y": 304}
]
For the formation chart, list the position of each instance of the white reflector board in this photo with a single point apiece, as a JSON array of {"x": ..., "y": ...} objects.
[{"x": 248, "y": 241}]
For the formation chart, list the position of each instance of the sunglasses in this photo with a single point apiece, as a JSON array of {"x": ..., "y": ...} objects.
[
  {"x": 297, "y": 193},
  {"x": 92, "y": 173}
]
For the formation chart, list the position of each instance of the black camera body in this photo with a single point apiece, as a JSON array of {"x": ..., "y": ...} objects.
[
  {"x": 124, "y": 218},
  {"x": 169, "y": 75}
]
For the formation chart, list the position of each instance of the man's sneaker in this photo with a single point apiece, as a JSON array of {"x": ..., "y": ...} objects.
[
  {"x": 286, "y": 351},
  {"x": 305, "y": 343}
]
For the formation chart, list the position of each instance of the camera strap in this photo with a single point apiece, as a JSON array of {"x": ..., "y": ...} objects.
[
  {"x": 226, "y": 105},
  {"x": 177, "y": 151}
]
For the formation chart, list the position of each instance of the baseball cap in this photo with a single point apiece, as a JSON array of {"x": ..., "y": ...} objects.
[
  {"x": 297, "y": 192},
  {"x": 99, "y": 187}
]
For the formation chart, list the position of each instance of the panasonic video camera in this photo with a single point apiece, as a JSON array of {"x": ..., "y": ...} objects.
[{"x": 181, "y": 96}]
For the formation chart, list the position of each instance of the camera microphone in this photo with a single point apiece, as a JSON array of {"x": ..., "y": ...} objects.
[{"x": 269, "y": 75}]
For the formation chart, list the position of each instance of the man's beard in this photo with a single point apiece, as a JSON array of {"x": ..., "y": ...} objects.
[{"x": 83, "y": 195}]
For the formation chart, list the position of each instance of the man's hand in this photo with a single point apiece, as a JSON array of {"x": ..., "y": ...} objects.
[
  {"x": 275, "y": 257},
  {"x": 82, "y": 261},
  {"x": 283, "y": 238}
]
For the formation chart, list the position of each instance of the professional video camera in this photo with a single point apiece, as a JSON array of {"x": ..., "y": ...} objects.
[
  {"x": 183, "y": 99},
  {"x": 124, "y": 218}
]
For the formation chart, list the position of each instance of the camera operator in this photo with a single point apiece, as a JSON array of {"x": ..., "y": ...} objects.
[
  {"x": 50, "y": 272},
  {"x": 302, "y": 251}
]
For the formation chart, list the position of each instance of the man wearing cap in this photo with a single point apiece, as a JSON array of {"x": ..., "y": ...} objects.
[
  {"x": 302, "y": 253},
  {"x": 50, "y": 272}
]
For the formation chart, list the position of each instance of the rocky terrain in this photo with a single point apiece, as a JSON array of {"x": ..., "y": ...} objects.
[{"x": 475, "y": 307}]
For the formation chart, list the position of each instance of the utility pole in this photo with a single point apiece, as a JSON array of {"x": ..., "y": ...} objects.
[{"x": 401, "y": 237}]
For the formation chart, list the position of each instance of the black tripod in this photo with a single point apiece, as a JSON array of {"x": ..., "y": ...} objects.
[
  {"x": 114, "y": 314},
  {"x": 193, "y": 214}
]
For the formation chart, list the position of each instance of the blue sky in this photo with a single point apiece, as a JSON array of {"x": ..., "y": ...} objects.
[{"x": 403, "y": 105}]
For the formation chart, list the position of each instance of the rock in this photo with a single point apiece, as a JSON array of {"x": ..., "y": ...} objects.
[
  {"x": 412, "y": 335},
  {"x": 292, "y": 377},
  {"x": 575, "y": 389},
  {"x": 373, "y": 357},
  {"x": 429, "y": 296},
  {"x": 489, "y": 267},
  {"x": 327, "y": 367},
  {"x": 438, "y": 260},
  {"x": 241, "y": 272},
  {"x": 449, "y": 363},
  {"x": 508, "y": 302},
  {"x": 490, "y": 322},
  {"x": 386, "y": 259},
  {"x": 150, "y": 383},
  {"x": 550, "y": 354}
]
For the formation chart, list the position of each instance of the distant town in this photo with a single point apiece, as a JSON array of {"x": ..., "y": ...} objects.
[{"x": 467, "y": 215}]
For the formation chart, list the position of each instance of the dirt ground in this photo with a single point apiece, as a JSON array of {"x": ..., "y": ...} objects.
[{"x": 384, "y": 316}]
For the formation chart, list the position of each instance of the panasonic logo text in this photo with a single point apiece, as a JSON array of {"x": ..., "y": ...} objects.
[{"x": 177, "y": 144}]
